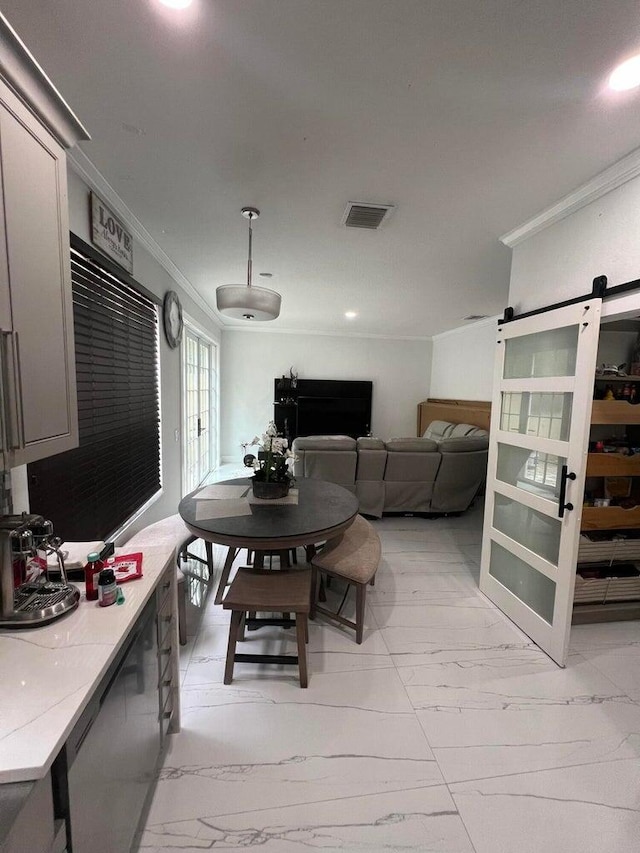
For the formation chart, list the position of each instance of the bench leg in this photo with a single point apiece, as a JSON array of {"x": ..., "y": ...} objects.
[
  {"x": 361, "y": 595},
  {"x": 236, "y": 617},
  {"x": 224, "y": 577},
  {"x": 301, "y": 628}
]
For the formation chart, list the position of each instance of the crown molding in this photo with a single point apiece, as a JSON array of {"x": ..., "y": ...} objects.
[
  {"x": 255, "y": 329},
  {"x": 83, "y": 167},
  {"x": 459, "y": 330},
  {"x": 610, "y": 179},
  {"x": 22, "y": 72}
]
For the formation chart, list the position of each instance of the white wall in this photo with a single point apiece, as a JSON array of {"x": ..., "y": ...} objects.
[
  {"x": 561, "y": 261},
  {"x": 462, "y": 364},
  {"x": 148, "y": 272},
  {"x": 250, "y": 361}
]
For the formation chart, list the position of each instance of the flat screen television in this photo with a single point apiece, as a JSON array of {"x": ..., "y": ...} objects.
[{"x": 334, "y": 416}]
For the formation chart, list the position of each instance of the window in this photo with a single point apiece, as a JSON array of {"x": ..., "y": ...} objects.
[{"x": 90, "y": 491}]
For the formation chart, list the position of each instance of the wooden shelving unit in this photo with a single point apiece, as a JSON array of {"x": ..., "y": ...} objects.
[
  {"x": 613, "y": 465},
  {"x": 614, "y": 412},
  {"x": 612, "y": 518}
]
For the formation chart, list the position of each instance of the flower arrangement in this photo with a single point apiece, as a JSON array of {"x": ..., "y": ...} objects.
[{"x": 272, "y": 463}]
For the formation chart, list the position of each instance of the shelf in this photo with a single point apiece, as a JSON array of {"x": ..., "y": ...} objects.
[
  {"x": 609, "y": 517},
  {"x": 613, "y": 465},
  {"x": 614, "y": 412},
  {"x": 614, "y": 612},
  {"x": 617, "y": 378}
]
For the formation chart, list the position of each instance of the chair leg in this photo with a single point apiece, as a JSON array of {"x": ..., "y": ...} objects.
[
  {"x": 236, "y": 616},
  {"x": 372, "y": 582},
  {"x": 301, "y": 621},
  {"x": 208, "y": 547},
  {"x": 361, "y": 595}
]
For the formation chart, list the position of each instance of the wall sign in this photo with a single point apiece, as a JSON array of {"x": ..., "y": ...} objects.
[{"x": 110, "y": 235}]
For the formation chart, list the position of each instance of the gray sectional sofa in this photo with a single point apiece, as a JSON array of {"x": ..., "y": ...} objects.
[{"x": 442, "y": 471}]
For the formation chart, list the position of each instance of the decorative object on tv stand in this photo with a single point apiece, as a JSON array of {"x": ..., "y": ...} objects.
[
  {"x": 245, "y": 302},
  {"x": 272, "y": 476}
]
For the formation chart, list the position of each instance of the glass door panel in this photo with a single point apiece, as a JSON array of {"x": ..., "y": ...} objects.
[
  {"x": 542, "y": 415},
  {"x": 530, "y": 470},
  {"x": 534, "y": 530},
  {"x": 537, "y": 461},
  {"x": 531, "y": 587},
  {"x": 199, "y": 391},
  {"x": 551, "y": 352}
]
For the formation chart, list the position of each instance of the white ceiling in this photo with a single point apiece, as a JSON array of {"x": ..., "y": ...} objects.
[{"x": 469, "y": 115}]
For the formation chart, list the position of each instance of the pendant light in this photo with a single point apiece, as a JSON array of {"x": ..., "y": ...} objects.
[{"x": 244, "y": 302}]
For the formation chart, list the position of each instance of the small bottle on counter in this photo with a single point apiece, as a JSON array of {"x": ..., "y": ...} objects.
[
  {"x": 92, "y": 569},
  {"x": 107, "y": 588}
]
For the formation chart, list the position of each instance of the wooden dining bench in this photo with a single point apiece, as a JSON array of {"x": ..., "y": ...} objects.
[
  {"x": 353, "y": 556},
  {"x": 258, "y": 590}
]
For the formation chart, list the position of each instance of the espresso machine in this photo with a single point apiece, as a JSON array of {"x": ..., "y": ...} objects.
[{"x": 29, "y": 594}]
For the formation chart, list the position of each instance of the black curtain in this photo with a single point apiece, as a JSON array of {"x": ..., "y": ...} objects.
[{"x": 89, "y": 492}]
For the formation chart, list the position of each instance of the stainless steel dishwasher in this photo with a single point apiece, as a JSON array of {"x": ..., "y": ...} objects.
[{"x": 114, "y": 749}]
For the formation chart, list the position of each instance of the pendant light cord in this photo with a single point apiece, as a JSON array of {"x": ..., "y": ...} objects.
[{"x": 249, "y": 265}]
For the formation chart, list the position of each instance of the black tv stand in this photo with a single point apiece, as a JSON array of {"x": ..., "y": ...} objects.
[{"x": 322, "y": 407}]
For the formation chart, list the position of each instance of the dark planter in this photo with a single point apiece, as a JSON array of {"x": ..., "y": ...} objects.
[{"x": 271, "y": 490}]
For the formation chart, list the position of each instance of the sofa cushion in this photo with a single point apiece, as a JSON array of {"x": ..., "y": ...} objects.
[
  {"x": 412, "y": 445},
  {"x": 369, "y": 443},
  {"x": 324, "y": 442},
  {"x": 437, "y": 430},
  {"x": 466, "y": 429},
  {"x": 464, "y": 444}
]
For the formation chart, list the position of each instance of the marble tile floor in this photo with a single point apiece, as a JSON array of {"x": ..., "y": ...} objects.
[{"x": 446, "y": 730}]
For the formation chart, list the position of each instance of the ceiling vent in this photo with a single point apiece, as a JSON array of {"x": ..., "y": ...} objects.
[
  {"x": 359, "y": 214},
  {"x": 476, "y": 317}
]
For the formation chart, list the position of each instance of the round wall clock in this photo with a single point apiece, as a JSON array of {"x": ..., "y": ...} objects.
[{"x": 172, "y": 315}]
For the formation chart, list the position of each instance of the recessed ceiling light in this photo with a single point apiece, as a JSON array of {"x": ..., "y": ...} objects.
[
  {"x": 626, "y": 75},
  {"x": 350, "y": 315},
  {"x": 176, "y": 4}
]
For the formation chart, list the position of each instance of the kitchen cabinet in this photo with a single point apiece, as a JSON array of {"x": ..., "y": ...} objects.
[
  {"x": 36, "y": 322},
  {"x": 116, "y": 746},
  {"x": 26, "y": 816}
]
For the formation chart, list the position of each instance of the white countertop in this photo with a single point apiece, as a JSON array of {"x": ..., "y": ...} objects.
[{"x": 48, "y": 674}]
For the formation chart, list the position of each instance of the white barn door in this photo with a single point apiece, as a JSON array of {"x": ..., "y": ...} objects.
[{"x": 540, "y": 418}]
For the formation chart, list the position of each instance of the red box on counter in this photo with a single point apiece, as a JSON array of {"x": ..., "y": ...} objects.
[{"x": 127, "y": 567}]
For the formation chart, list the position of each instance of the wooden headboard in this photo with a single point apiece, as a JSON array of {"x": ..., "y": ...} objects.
[{"x": 476, "y": 412}]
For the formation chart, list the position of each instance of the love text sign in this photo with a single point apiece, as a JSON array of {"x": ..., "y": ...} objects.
[{"x": 110, "y": 235}]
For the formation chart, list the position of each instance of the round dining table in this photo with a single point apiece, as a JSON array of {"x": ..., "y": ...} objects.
[{"x": 319, "y": 511}]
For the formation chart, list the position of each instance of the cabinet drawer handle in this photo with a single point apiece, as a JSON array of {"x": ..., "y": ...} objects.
[{"x": 166, "y": 585}]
